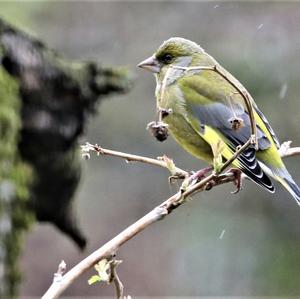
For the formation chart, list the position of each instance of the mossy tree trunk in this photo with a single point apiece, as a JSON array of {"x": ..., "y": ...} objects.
[
  {"x": 45, "y": 101},
  {"x": 15, "y": 179}
]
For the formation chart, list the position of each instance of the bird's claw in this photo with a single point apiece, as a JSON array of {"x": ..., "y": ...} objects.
[{"x": 237, "y": 179}]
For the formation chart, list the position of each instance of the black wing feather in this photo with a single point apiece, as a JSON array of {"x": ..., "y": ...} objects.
[
  {"x": 217, "y": 115},
  {"x": 251, "y": 167}
]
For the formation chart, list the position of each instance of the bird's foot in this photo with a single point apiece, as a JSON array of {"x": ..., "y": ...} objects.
[{"x": 237, "y": 179}]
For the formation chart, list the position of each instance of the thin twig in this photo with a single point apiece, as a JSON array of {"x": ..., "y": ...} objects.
[
  {"x": 162, "y": 94},
  {"x": 241, "y": 90},
  {"x": 287, "y": 151},
  {"x": 246, "y": 96},
  {"x": 58, "y": 276},
  {"x": 235, "y": 155},
  {"x": 294, "y": 151},
  {"x": 115, "y": 278},
  {"x": 163, "y": 162},
  {"x": 61, "y": 268}
]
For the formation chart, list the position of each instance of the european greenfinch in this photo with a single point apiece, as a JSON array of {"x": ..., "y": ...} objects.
[{"x": 205, "y": 112}]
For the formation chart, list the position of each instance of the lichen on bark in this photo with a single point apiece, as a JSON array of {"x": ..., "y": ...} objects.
[{"x": 15, "y": 179}]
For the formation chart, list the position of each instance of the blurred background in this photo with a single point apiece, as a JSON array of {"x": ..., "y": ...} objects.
[{"x": 219, "y": 244}]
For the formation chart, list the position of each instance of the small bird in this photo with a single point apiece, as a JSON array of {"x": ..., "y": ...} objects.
[{"x": 206, "y": 110}]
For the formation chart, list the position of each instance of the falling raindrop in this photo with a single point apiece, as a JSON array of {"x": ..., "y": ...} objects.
[
  {"x": 283, "y": 91},
  {"x": 260, "y": 26},
  {"x": 222, "y": 234}
]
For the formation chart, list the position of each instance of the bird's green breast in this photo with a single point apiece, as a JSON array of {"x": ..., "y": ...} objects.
[{"x": 179, "y": 127}]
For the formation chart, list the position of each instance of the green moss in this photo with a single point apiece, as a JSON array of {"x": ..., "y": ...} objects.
[{"x": 15, "y": 180}]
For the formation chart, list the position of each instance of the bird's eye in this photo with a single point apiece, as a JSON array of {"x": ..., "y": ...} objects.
[{"x": 167, "y": 58}]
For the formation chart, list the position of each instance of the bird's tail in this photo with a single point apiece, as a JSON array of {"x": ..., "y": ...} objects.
[
  {"x": 282, "y": 176},
  {"x": 291, "y": 186}
]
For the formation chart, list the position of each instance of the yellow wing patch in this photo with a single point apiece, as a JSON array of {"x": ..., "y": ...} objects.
[{"x": 216, "y": 141}]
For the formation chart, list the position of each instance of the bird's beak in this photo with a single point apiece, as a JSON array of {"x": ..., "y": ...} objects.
[{"x": 151, "y": 64}]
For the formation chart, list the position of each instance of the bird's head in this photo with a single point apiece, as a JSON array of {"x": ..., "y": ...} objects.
[{"x": 175, "y": 51}]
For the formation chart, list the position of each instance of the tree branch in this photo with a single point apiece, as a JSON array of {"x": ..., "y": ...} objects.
[
  {"x": 287, "y": 151},
  {"x": 158, "y": 213},
  {"x": 163, "y": 161}
]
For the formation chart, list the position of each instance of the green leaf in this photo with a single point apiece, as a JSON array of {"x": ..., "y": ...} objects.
[
  {"x": 94, "y": 279},
  {"x": 103, "y": 269}
]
